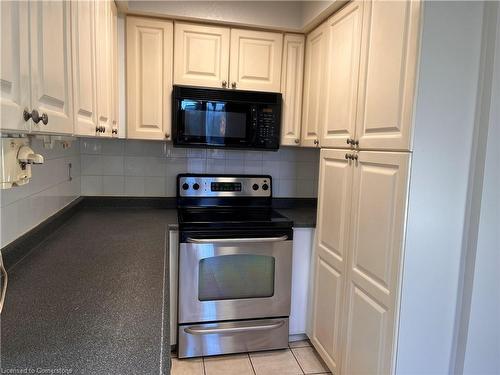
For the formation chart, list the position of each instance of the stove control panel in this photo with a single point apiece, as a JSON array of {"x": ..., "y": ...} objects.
[{"x": 223, "y": 186}]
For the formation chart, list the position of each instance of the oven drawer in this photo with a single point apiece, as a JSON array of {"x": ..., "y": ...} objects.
[
  {"x": 197, "y": 340},
  {"x": 229, "y": 279}
]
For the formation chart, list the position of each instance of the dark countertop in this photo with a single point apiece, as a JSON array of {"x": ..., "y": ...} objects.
[
  {"x": 91, "y": 296},
  {"x": 303, "y": 217}
]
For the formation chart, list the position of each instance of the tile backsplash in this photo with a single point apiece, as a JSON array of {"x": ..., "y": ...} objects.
[
  {"x": 146, "y": 168},
  {"x": 49, "y": 190}
]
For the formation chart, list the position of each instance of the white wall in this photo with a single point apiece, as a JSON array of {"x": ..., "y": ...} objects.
[
  {"x": 444, "y": 125},
  {"x": 148, "y": 168},
  {"x": 482, "y": 355},
  {"x": 24, "y": 207}
]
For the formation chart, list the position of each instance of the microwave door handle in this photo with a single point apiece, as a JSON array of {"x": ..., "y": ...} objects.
[
  {"x": 211, "y": 330},
  {"x": 236, "y": 240}
]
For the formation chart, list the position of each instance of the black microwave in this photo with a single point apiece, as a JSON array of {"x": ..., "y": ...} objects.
[{"x": 207, "y": 117}]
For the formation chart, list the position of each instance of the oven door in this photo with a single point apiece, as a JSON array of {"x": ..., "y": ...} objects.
[{"x": 229, "y": 278}]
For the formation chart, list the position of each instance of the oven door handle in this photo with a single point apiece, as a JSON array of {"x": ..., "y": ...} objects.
[
  {"x": 237, "y": 240},
  {"x": 199, "y": 330}
]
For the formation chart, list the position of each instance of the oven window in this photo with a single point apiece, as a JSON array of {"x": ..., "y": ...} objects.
[
  {"x": 214, "y": 122},
  {"x": 236, "y": 276}
]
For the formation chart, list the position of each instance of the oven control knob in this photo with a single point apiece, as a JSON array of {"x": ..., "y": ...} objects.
[
  {"x": 185, "y": 186},
  {"x": 265, "y": 187},
  {"x": 255, "y": 187},
  {"x": 196, "y": 186}
]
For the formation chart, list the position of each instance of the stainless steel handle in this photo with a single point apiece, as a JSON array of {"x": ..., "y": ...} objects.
[
  {"x": 224, "y": 84},
  {"x": 233, "y": 85},
  {"x": 237, "y": 240},
  {"x": 200, "y": 330},
  {"x": 26, "y": 114},
  {"x": 45, "y": 118},
  {"x": 4, "y": 283}
]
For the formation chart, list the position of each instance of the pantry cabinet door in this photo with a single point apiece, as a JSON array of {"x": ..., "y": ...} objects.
[
  {"x": 344, "y": 42},
  {"x": 149, "y": 78},
  {"x": 201, "y": 55},
  {"x": 334, "y": 198},
  {"x": 15, "y": 69},
  {"x": 313, "y": 108},
  {"x": 255, "y": 60},
  {"x": 84, "y": 65},
  {"x": 51, "y": 78},
  {"x": 379, "y": 198},
  {"x": 292, "y": 74},
  {"x": 389, "y": 59}
]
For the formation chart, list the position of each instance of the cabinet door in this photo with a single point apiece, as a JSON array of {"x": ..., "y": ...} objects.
[
  {"x": 149, "y": 78},
  {"x": 379, "y": 198},
  {"x": 84, "y": 59},
  {"x": 255, "y": 60},
  {"x": 113, "y": 33},
  {"x": 344, "y": 41},
  {"x": 292, "y": 74},
  {"x": 389, "y": 57},
  {"x": 201, "y": 55},
  {"x": 103, "y": 64},
  {"x": 314, "y": 86},
  {"x": 51, "y": 80},
  {"x": 334, "y": 199},
  {"x": 15, "y": 69}
]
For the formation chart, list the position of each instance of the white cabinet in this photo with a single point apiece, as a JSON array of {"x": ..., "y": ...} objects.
[
  {"x": 51, "y": 78},
  {"x": 389, "y": 57},
  {"x": 255, "y": 60},
  {"x": 84, "y": 65},
  {"x": 379, "y": 195},
  {"x": 149, "y": 78},
  {"x": 201, "y": 55},
  {"x": 292, "y": 72},
  {"x": 113, "y": 50},
  {"x": 344, "y": 41},
  {"x": 15, "y": 69},
  {"x": 358, "y": 257},
  {"x": 314, "y": 86}
]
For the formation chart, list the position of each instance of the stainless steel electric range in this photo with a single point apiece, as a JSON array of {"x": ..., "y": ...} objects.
[{"x": 235, "y": 265}]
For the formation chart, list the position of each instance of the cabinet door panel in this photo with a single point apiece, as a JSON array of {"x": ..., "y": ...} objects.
[
  {"x": 149, "y": 78},
  {"x": 378, "y": 214},
  {"x": 344, "y": 41},
  {"x": 201, "y": 55},
  {"x": 330, "y": 255},
  {"x": 84, "y": 75},
  {"x": 389, "y": 57},
  {"x": 256, "y": 60},
  {"x": 314, "y": 86},
  {"x": 113, "y": 50},
  {"x": 15, "y": 70},
  {"x": 51, "y": 81},
  {"x": 291, "y": 88}
]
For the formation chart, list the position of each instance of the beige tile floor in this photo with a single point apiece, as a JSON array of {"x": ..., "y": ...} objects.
[{"x": 300, "y": 358}]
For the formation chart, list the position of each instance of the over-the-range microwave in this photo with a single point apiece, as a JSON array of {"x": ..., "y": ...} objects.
[{"x": 208, "y": 117}]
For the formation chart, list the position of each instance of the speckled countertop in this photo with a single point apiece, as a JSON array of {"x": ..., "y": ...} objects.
[{"x": 91, "y": 297}]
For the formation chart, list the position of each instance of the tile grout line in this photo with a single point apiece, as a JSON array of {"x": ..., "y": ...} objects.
[
  {"x": 251, "y": 363},
  {"x": 296, "y": 360},
  {"x": 203, "y": 365}
]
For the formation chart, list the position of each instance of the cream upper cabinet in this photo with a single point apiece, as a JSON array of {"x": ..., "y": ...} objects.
[
  {"x": 344, "y": 41},
  {"x": 51, "y": 77},
  {"x": 313, "y": 108},
  {"x": 84, "y": 65},
  {"x": 291, "y": 88},
  {"x": 379, "y": 195},
  {"x": 389, "y": 57},
  {"x": 15, "y": 69},
  {"x": 201, "y": 55},
  {"x": 113, "y": 33},
  {"x": 149, "y": 78},
  {"x": 330, "y": 258},
  {"x": 255, "y": 62}
]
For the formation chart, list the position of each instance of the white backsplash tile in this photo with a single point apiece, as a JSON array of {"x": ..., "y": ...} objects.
[
  {"x": 134, "y": 185},
  {"x": 113, "y": 185}
]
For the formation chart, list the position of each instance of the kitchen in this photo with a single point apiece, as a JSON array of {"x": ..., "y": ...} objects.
[{"x": 236, "y": 187}]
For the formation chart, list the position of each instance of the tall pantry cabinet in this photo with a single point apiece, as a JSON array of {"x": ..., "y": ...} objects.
[{"x": 371, "y": 51}]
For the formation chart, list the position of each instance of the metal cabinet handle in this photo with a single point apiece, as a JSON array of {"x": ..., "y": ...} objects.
[
  {"x": 316, "y": 142},
  {"x": 114, "y": 131},
  {"x": 224, "y": 83},
  {"x": 237, "y": 240},
  {"x": 26, "y": 114},
  {"x": 4, "y": 283},
  {"x": 355, "y": 157},
  {"x": 355, "y": 143},
  {"x": 297, "y": 141},
  {"x": 200, "y": 330},
  {"x": 347, "y": 156},
  {"x": 167, "y": 135},
  {"x": 349, "y": 141},
  {"x": 233, "y": 85}
]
